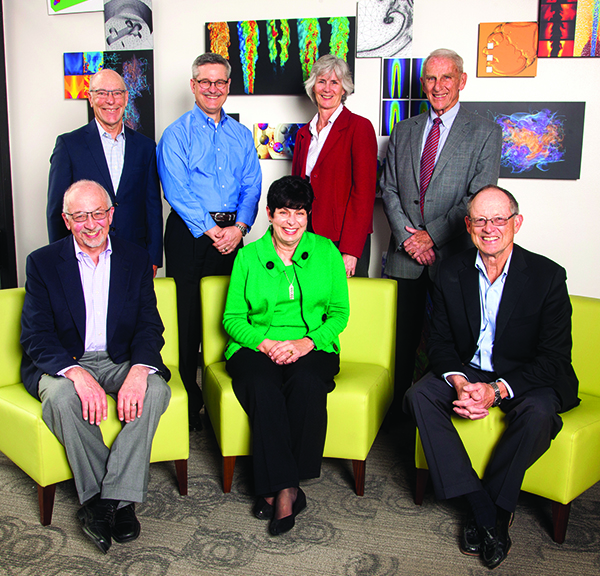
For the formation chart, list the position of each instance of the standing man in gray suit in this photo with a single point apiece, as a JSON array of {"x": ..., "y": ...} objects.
[{"x": 435, "y": 161}]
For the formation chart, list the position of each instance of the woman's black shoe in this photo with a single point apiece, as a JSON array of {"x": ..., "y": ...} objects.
[{"x": 285, "y": 524}]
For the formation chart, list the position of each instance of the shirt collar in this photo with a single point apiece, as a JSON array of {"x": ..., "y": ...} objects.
[
  {"x": 332, "y": 119},
  {"x": 447, "y": 117},
  {"x": 103, "y": 132},
  {"x": 203, "y": 117},
  {"x": 481, "y": 266},
  {"x": 80, "y": 254}
]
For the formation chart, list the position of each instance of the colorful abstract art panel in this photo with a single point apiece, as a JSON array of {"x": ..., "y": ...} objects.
[
  {"x": 137, "y": 69},
  {"x": 385, "y": 29},
  {"x": 569, "y": 29},
  {"x": 392, "y": 111},
  {"x": 276, "y": 56},
  {"x": 71, "y": 6},
  {"x": 507, "y": 49},
  {"x": 540, "y": 139},
  {"x": 277, "y": 141}
]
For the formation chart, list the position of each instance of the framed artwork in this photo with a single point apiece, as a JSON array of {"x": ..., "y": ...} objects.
[
  {"x": 507, "y": 49},
  {"x": 71, "y": 6},
  {"x": 128, "y": 24},
  {"x": 276, "y": 56},
  {"x": 569, "y": 29},
  {"x": 275, "y": 141},
  {"x": 401, "y": 92},
  {"x": 385, "y": 29},
  {"x": 541, "y": 140}
]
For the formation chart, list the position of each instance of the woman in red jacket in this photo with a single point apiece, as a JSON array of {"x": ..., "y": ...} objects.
[{"x": 337, "y": 151}]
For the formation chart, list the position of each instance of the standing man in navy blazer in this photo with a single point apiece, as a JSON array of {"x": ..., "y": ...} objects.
[
  {"x": 90, "y": 327},
  {"x": 121, "y": 160},
  {"x": 500, "y": 337},
  {"x": 426, "y": 207}
]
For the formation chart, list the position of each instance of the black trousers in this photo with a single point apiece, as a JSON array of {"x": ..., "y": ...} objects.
[
  {"x": 412, "y": 296},
  {"x": 532, "y": 420},
  {"x": 188, "y": 260},
  {"x": 287, "y": 407}
]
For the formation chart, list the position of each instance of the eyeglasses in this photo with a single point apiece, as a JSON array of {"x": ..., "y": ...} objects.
[
  {"x": 496, "y": 221},
  {"x": 103, "y": 94},
  {"x": 83, "y": 216},
  {"x": 206, "y": 84}
]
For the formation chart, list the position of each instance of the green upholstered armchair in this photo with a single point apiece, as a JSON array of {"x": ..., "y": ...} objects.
[
  {"x": 572, "y": 464},
  {"x": 364, "y": 387},
  {"x": 27, "y": 441}
]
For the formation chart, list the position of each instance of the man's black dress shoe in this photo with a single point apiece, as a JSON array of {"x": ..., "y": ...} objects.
[
  {"x": 98, "y": 518},
  {"x": 126, "y": 527},
  {"x": 470, "y": 540},
  {"x": 263, "y": 510},
  {"x": 495, "y": 543},
  {"x": 285, "y": 524}
]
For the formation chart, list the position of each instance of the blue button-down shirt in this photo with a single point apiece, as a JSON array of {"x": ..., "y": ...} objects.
[
  {"x": 206, "y": 167},
  {"x": 114, "y": 152}
]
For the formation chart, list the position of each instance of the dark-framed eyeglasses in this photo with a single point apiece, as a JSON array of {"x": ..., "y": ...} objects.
[
  {"x": 83, "y": 216},
  {"x": 103, "y": 94},
  {"x": 495, "y": 221},
  {"x": 206, "y": 84}
]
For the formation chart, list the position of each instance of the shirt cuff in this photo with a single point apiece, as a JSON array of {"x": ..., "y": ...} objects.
[
  {"x": 511, "y": 394},
  {"x": 446, "y": 374},
  {"x": 65, "y": 370},
  {"x": 153, "y": 370}
]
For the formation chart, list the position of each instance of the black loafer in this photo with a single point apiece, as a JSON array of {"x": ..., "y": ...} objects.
[
  {"x": 97, "y": 518},
  {"x": 263, "y": 510},
  {"x": 494, "y": 546},
  {"x": 286, "y": 523},
  {"x": 470, "y": 540},
  {"x": 126, "y": 527}
]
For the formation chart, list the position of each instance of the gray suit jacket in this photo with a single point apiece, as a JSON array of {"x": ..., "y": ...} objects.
[{"x": 469, "y": 160}]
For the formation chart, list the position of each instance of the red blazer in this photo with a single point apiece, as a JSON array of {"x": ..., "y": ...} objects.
[{"x": 343, "y": 180}]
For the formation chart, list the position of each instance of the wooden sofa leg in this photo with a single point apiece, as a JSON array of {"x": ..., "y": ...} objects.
[
  {"x": 181, "y": 467},
  {"x": 560, "y": 519},
  {"x": 46, "y": 501},
  {"x": 228, "y": 467},
  {"x": 422, "y": 477},
  {"x": 359, "y": 476}
]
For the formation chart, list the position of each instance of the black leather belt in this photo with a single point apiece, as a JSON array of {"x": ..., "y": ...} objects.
[{"x": 224, "y": 216}]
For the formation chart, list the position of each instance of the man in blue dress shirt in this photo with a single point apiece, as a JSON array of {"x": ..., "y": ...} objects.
[
  {"x": 501, "y": 337},
  {"x": 211, "y": 177}
]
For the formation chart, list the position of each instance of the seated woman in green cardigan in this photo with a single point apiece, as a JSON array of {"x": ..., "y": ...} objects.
[{"x": 286, "y": 306}]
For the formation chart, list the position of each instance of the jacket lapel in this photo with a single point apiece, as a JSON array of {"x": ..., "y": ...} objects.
[
  {"x": 120, "y": 275},
  {"x": 92, "y": 139},
  {"x": 128, "y": 161},
  {"x": 459, "y": 131},
  {"x": 68, "y": 272},
  {"x": 469, "y": 283},
  {"x": 514, "y": 285},
  {"x": 416, "y": 139},
  {"x": 336, "y": 132}
]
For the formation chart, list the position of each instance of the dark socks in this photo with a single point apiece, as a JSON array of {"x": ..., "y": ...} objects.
[{"x": 483, "y": 508}]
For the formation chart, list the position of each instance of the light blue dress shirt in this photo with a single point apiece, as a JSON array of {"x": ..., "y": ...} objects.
[
  {"x": 114, "y": 152},
  {"x": 206, "y": 167}
]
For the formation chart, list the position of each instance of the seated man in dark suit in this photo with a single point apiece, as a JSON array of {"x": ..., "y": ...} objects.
[
  {"x": 122, "y": 160},
  {"x": 90, "y": 327},
  {"x": 501, "y": 336}
]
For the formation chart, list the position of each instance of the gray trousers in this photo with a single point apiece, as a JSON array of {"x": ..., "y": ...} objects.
[{"x": 118, "y": 473}]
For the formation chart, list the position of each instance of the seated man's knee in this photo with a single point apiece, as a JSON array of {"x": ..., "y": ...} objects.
[{"x": 157, "y": 391}]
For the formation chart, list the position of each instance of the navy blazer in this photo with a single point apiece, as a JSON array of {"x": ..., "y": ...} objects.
[
  {"x": 53, "y": 319},
  {"x": 532, "y": 344},
  {"x": 79, "y": 155}
]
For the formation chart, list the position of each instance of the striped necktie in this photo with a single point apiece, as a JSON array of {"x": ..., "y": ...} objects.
[{"x": 428, "y": 160}]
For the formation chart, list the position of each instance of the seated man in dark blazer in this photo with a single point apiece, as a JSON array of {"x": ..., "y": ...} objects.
[
  {"x": 121, "y": 160},
  {"x": 501, "y": 336},
  {"x": 90, "y": 327}
]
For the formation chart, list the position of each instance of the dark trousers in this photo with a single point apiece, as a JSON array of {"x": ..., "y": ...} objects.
[
  {"x": 188, "y": 260},
  {"x": 532, "y": 420},
  {"x": 412, "y": 296},
  {"x": 287, "y": 407}
]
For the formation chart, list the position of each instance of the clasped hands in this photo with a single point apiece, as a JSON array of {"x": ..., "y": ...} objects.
[
  {"x": 286, "y": 351},
  {"x": 225, "y": 240},
  {"x": 474, "y": 399},
  {"x": 419, "y": 246},
  {"x": 130, "y": 399}
]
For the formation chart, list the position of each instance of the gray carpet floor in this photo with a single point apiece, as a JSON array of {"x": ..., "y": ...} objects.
[{"x": 340, "y": 534}]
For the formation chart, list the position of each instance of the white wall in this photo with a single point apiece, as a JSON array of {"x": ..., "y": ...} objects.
[{"x": 560, "y": 216}]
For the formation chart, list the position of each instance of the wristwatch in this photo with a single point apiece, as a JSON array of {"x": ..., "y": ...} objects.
[
  {"x": 242, "y": 229},
  {"x": 497, "y": 395}
]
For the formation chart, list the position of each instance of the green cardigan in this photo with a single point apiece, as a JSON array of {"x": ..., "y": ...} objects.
[{"x": 256, "y": 278}]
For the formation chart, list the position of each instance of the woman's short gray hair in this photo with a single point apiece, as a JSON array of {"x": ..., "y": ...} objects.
[{"x": 324, "y": 66}]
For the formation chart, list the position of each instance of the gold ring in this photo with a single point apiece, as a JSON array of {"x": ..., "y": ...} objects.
[{"x": 291, "y": 353}]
